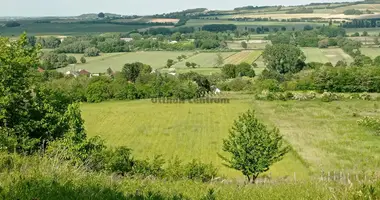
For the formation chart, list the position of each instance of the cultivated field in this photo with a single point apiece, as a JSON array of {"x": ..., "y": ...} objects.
[
  {"x": 244, "y": 56},
  {"x": 117, "y": 60},
  {"x": 187, "y": 130},
  {"x": 332, "y": 55},
  {"x": 207, "y": 60},
  {"x": 371, "y": 52}
]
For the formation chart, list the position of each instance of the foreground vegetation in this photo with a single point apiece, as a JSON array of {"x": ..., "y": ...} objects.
[{"x": 43, "y": 178}]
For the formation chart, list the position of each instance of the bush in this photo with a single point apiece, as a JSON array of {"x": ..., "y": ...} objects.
[
  {"x": 323, "y": 43},
  {"x": 328, "y": 97},
  {"x": 371, "y": 123},
  {"x": 71, "y": 60},
  {"x": 196, "y": 170},
  {"x": 266, "y": 84},
  {"x": 120, "y": 161},
  {"x": 305, "y": 96},
  {"x": 83, "y": 60}
]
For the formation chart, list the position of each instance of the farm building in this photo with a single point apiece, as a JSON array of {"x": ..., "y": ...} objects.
[{"x": 127, "y": 39}]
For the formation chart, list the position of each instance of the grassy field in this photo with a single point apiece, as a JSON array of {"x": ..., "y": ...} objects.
[
  {"x": 202, "y": 70},
  {"x": 371, "y": 31},
  {"x": 251, "y": 24},
  {"x": 244, "y": 56},
  {"x": 251, "y": 44},
  {"x": 185, "y": 130},
  {"x": 117, "y": 60},
  {"x": 207, "y": 60},
  {"x": 371, "y": 52},
  {"x": 327, "y": 135},
  {"x": 332, "y": 55}
]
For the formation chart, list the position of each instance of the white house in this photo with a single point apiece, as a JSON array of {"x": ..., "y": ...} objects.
[{"x": 217, "y": 91}]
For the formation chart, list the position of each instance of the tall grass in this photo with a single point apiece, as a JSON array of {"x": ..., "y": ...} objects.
[{"x": 48, "y": 178}]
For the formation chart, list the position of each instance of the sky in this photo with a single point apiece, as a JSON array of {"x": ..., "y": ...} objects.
[{"x": 127, "y": 7}]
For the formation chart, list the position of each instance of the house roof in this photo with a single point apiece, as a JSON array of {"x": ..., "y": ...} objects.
[{"x": 83, "y": 72}]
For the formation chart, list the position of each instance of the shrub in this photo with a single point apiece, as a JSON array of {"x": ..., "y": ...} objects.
[
  {"x": 365, "y": 96},
  {"x": 120, "y": 160},
  {"x": 71, "y": 60},
  {"x": 328, "y": 97},
  {"x": 195, "y": 170},
  {"x": 371, "y": 123},
  {"x": 83, "y": 60},
  {"x": 305, "y": 96},
  {"x": 147, "y": 168}
]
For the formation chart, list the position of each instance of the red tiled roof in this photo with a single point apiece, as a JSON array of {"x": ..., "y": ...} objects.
[
  {"x": 40, "y": 69},
  {"x": 83, "y": 72}
]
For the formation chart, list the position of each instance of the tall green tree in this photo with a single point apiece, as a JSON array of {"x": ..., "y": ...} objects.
[
  {"x": 31, "y": 115},
  {"x": 284, "y": 58},
  {"x": 253, "y": 148}
]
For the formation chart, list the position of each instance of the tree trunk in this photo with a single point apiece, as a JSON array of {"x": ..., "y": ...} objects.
[
  {"x": 254, "y": 177},
  {"x": 249, "y": 178}
]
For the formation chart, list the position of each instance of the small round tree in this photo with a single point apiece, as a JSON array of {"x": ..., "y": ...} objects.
[
  {"x": 244, "y": 44},
  {"x": 170, "y": 63},
  {"x": 101, "y": 15},
  {"x": 83, "y": 59},
  {"x": 71, "y": 60},
  {"x": 253, "y": 147}
]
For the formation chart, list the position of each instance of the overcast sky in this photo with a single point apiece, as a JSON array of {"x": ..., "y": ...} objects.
[{"x": 126, "y": 7}]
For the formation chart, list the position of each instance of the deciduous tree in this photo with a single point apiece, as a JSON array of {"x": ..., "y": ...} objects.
[
  {"x": 253, "y": 148},
  {"x": 284, "y": 58}
]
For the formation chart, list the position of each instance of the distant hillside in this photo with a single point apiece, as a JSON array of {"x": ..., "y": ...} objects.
[{"x": 95, "y": 15}]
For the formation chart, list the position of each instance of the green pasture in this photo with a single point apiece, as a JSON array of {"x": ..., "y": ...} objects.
[
  {"x": 371, "y": 52},
  {"x": 207, "y": 60},
  {"x": 332, "y": 55},
  {"x": 326, "y": 135},
  {"x": 189, "y": 131},
  {"x": 251, "y": 44},
  {"x": 116, "y": 61},
  {"x": 252, "y": 24}
]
